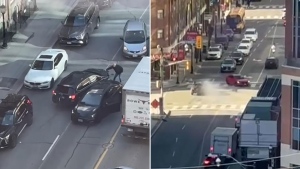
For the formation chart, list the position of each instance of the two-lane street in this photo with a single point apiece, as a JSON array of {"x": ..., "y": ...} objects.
[
  {"x": 183, "y": 141},
  {"x": 53, "y": 142}
]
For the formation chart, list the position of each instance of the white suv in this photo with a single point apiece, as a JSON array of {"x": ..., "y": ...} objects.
[{"x": 214, "y": 52}]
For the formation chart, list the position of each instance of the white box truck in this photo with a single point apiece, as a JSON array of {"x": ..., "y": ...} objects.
[
  {"x": 224, "y": 141},
  {"x": 136, "y": 101}
]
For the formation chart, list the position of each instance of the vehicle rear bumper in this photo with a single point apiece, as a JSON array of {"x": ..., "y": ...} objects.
[{"x": 135, "y": 128}]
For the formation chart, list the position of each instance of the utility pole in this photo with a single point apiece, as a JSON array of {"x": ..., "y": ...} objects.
[
  {"x": 178, "y": 40},
  {"x": 161, "y": 71}
]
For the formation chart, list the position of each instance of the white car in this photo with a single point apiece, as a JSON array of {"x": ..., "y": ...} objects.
[
  {"x": 46, "y": 69},
  {"x": 251, "y": 33},
  {"x": 245, "y": 49},
  {"x": 247, "y": 42},
  {"x": 214, "y": 52}
]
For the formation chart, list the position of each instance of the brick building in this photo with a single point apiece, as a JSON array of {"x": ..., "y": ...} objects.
[{"x": 290, "y": 119}]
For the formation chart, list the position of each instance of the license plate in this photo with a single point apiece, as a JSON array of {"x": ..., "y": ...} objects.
[
  {"x": 130, "y": 130},
  {"x": 80, "y": 120},
  {"x": 134, "y": 55},
  {"x": 69, "y": 43}
]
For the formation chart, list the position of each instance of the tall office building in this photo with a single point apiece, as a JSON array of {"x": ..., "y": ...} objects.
[{"x": 290, "y": 100}]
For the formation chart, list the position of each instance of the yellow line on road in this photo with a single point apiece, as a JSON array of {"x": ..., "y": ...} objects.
[{"x": 106, "y": 150}]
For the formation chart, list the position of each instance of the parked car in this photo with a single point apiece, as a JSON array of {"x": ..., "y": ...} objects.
[
  {"x": 16, "y": 113},
  {"x": 224, "y": 40},
  {"x": 230, "y": 34},
  {"x": 237, "y": 80},
  {"x": 79, "y": 25}
]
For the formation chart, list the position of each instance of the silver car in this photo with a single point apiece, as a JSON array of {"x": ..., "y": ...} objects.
[
  {"x": 135, "y": 39},
  {"x": 79, "y": 24},
  {"x": 228, "y": 65}
]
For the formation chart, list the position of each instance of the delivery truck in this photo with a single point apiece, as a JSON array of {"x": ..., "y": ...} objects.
[
  {"x": 136, "y": 101},
  {"x": 224, "y": 141}
]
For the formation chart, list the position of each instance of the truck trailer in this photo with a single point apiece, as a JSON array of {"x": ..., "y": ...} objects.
[
  {"x": 224, "y": 141},
  {"x": 136, "y": 101}
]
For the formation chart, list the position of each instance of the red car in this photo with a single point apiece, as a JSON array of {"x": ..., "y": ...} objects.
[
  {"x": 237, "y": 80},
  {"x": 210, "y": 161}
]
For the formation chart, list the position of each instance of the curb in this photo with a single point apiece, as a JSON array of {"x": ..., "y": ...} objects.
[{"x": 156, "y": 127}]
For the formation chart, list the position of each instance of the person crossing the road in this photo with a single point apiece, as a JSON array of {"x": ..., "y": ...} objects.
[{"x": 118, "y": 70}]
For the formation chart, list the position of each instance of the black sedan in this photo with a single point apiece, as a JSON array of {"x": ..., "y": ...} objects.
[
  {"x": 229, "y": 33},
  {"x": 103, "y": 98},
  {"x": 238, "y": 57}
]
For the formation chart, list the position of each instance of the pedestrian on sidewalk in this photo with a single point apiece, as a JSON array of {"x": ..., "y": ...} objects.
[
  {"x": 248, "y": 3},
  {"x": 22, "y": 17},
  {"x": 118, "y": 70}
]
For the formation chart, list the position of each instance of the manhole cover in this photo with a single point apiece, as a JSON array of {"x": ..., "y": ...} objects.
[{"x": 108, "y": 145}]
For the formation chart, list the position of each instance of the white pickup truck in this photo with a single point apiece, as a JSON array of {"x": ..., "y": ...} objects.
[{"x": 136, "y": 101}]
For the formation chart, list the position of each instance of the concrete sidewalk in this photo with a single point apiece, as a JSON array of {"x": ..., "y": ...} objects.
[{"x": 39, "y": 34}]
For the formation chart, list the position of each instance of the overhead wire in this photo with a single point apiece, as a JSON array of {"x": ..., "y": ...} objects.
[{"x": 239, "y": 163}]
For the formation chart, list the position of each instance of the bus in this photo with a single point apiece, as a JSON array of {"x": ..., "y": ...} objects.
[{"x": 236, "y": 19}]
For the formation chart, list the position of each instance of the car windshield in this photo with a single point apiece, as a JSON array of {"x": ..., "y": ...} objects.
[
  {"x": 228, "y": 31},
  {"x": 92, "y": 99},
  {"x": 134, "y": 37},
  {"x": 214, "y": 49},
  {"x": 75, "y": 21},
  {"x": 7, "y": 119},
  {"x": 42, "y": 65},
  {"x": 245, "y": 41},
  {"x": 249, "y": 32},
  {"x": 242, "y": 47},
  {"x": 228, "y": 61},
  {"x": 236, "y": 54}
]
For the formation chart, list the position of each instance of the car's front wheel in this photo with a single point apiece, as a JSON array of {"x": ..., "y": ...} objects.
[
  {"x": 86, "y": 39},
  {"x": 13, "y": 140},
  {"x": 51, "y": 83},
  {"x": 66, "y": 65},
  {"x": 98, "y": 23}
]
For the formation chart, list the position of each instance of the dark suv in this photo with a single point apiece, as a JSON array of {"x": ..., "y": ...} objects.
[
  {"x": 74, "y": 86},
  {"x": 224, "y": 40},
  {"x": 15, "y": 114},
  {"x": 271, "y": 63},
  {"x": 103, "y": 98},
  {"x": 80, "y": 24}
]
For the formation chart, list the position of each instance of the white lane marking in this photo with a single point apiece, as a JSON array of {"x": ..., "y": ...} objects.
[
  {"x": 173, "y": 153},
  {"x": 245, "y": 63},
  {"x": 183, "y": 127},
  {"x": 261, "y": 40},
  {"x": 50, "y": 148},
  {"x": 113, "y": 58},
  {"x": 191, "y": 116},
  {"x": 170, "y": 166},
  {"x": 22, "y": 129},
  {"x": 176, "y": 139},
  {"x": 269, "y": 52}
]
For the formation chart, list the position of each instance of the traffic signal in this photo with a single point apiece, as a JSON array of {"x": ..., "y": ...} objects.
[{"x": 187, "y": 65}]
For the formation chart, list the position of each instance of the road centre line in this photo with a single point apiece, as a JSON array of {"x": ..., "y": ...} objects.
[
  {"x": 114, "y": 56},
  {"x": 106, "y": 149},
  {"x": 183, "y": 127},
  {"x": 276, "y": 25},
  {"x": 173, "y": 153},
  {"x": 50, "y": 148},
  {"x": 176, "y": 139}
]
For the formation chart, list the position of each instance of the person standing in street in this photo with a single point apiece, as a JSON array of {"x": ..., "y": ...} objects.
[
  {"x": 118, "y": 70},
  {"x": 248, "y": 3}
]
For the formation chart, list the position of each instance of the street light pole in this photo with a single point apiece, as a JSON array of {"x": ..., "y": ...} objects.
[
  {"x": 178, "y": 39},
  {"x": 161, "y": 71},
  {"x": 3, "y": 11}
]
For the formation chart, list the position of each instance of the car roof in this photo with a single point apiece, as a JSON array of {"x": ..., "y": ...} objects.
[
  {"x": 228, "y": 59},
  {"x": 104, "y": 84},
  {"x": 49, "y": 54},
  {"x": 80, "y": 8},
  {"x": 76, "y": 77},
  {"x": 246, "y": 39},
  {"x": 242, "y": 45},
  {"x": 215, "y": 46},
  {"x": 135, "y": 25},
  {"x": 10, "y": 102},
  {"x": 272, "y": 57},
  {"x": 250, "y": 29}
]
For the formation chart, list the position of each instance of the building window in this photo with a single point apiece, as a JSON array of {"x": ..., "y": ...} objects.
[
  {"x": 160, "y": 34},
  {"x": 296, "y": 115},
  {"x": 160, "y": 14}
]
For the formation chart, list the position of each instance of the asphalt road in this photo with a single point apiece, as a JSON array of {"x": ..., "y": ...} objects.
[
  {"x": 52, "y": 141},
  {"x": 269, "y": 31},
  {"x": 269, "y": 2},
  {"x": 105, "y": 43},
  {"x": 183, "y": 141}
]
